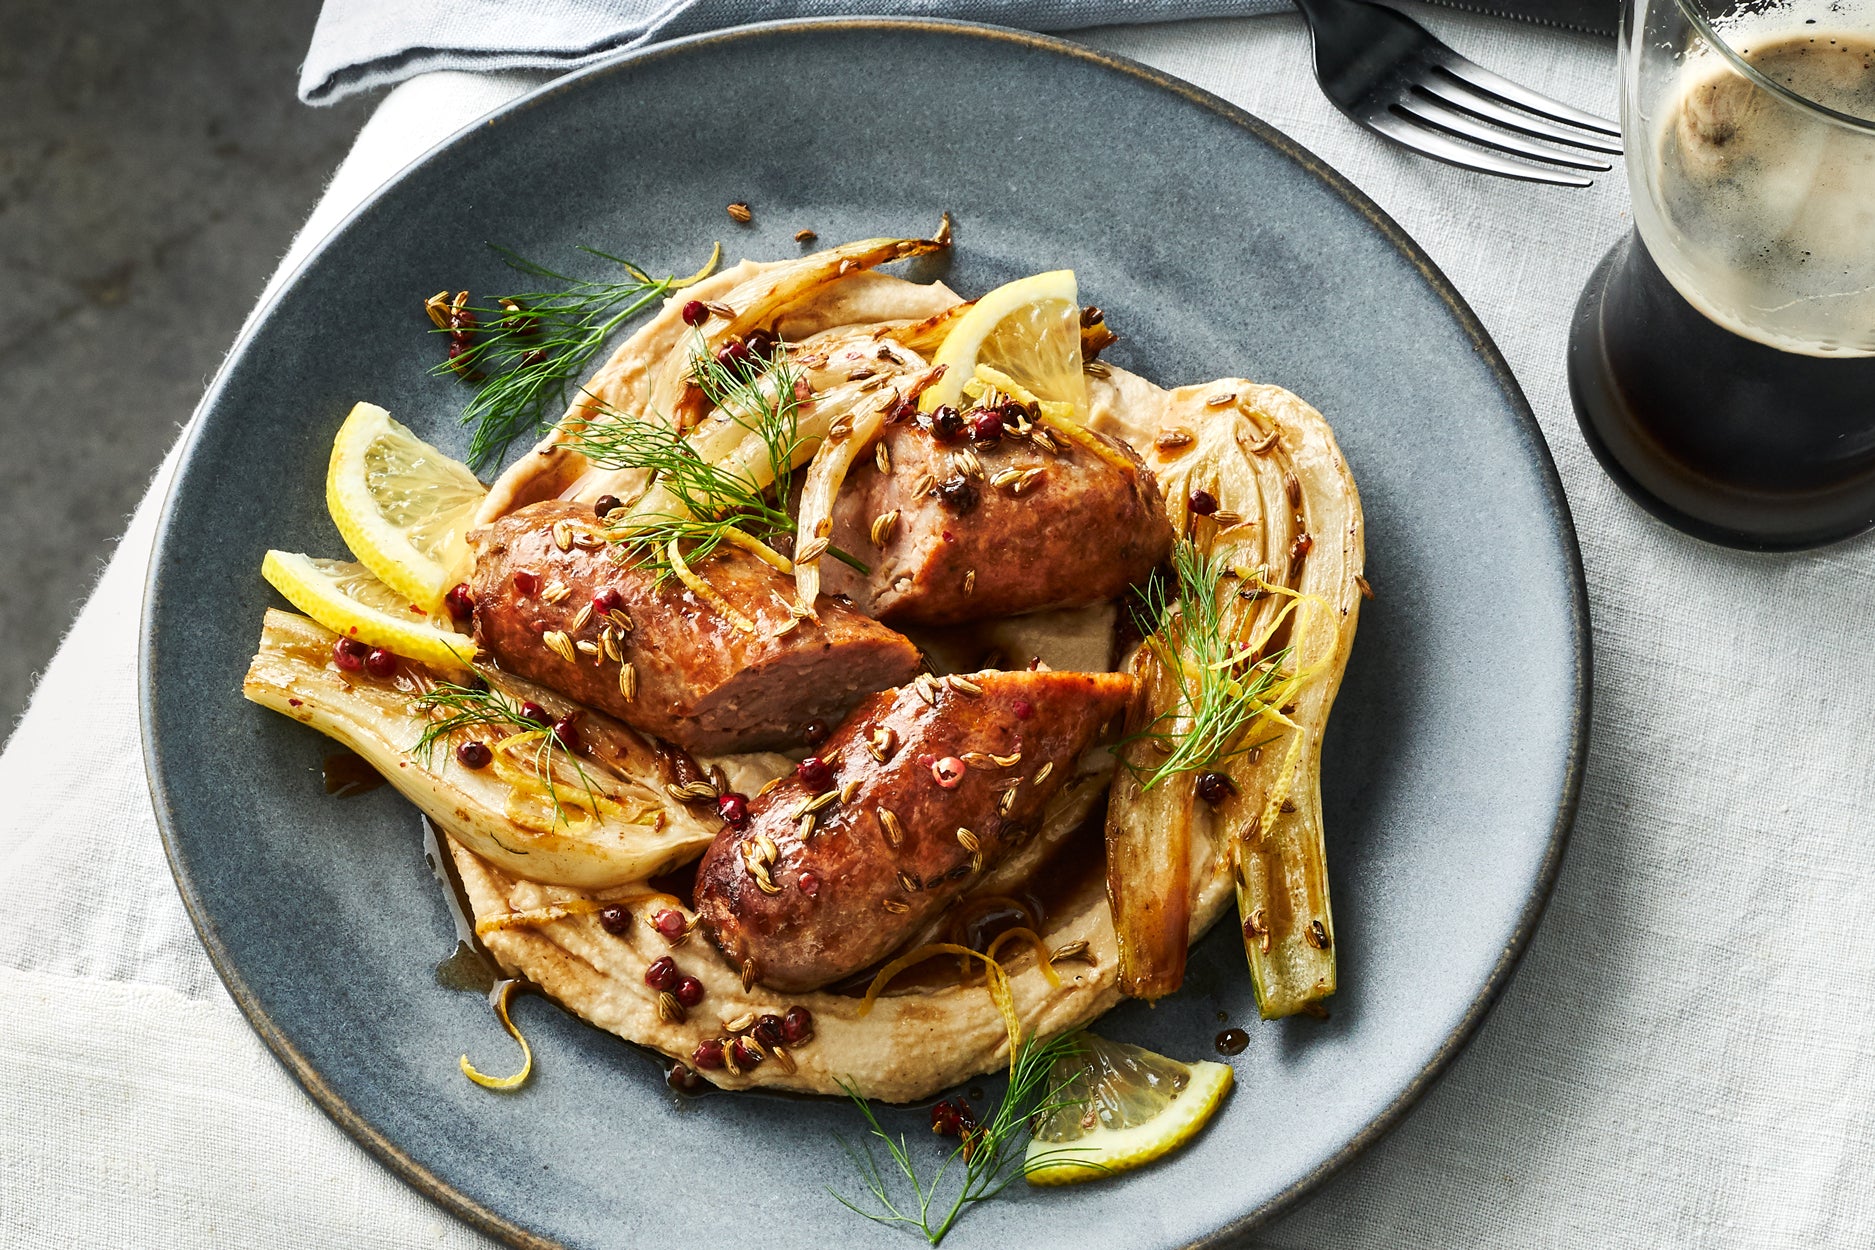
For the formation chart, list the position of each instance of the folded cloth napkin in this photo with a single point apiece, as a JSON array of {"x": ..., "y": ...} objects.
[{"x": 362, "y": 44}]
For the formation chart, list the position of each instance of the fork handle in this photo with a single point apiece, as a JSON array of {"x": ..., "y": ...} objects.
[{"x": 1358, "y": 46}]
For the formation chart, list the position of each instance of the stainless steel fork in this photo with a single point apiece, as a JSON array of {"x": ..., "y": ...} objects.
[{"x": 1388, "y": 73}]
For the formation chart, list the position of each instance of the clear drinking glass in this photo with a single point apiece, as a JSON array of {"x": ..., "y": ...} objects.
[{"x": 1723, "y": 356}]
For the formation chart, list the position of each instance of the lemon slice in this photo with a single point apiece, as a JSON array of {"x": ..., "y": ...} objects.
[
  {"x": 1028, "y": 332},
  {"x": 1119, "y": 1107},
  {"x": 401, "y": 505},
  {"x": 346, "y": 599}
]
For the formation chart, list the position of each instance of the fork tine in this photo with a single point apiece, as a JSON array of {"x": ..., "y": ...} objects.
[
  {"x": 1462, "y": 95},
  {"x": 1428, "y": 142},
  {"x": 1504, "y": 89},
  {"x": 1465, "y": 126}
]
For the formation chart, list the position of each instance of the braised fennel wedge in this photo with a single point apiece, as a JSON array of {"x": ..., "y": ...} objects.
[
  {"x": 1241, "y": 673},
  {"x": 601, "y": 821}
]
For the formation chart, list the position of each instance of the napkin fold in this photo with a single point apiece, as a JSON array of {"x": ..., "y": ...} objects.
[{"x": 359, "y": 45}]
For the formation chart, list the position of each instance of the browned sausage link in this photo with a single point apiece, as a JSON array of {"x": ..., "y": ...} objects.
[
  {"x": 694, "y": 677},
  {"x": 957, "y": 532},
  {"x": 822, "y": 884}
]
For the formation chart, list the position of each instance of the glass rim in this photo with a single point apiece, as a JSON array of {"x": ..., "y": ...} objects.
[{"x": 1751, "y": 72}]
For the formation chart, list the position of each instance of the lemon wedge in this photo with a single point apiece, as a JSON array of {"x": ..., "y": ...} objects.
[
  {"x": 1119, "y": 1107},
  {"x": 1027, "y": 332},
  {"x": 402, "y": 506},
  {"x": 346, "y": 599}
]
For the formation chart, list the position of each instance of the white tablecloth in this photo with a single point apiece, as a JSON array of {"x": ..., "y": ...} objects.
[{"x": 1686, "y": 1057}]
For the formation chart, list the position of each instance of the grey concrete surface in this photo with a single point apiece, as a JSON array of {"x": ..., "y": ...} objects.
[{"x": 154, "y": 165}]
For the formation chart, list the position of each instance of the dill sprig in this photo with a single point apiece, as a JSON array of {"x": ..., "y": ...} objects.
[
  {"x": 470, "y": 707},
  {"x": 991, "y": 1155},
  {"x": 1221, "y": 690},
  {"x": 527, "y": 351},
  {"x": 713, "y": 499},
  {"x": 771, "y": 412}
]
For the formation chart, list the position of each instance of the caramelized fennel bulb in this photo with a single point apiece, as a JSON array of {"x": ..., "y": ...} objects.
[
  {"x": 1286, "y": 530},
  {"x": 614, "y": 822},
  {"x": 1149, "y": 844},
  {"x": 649, "y": 374}
]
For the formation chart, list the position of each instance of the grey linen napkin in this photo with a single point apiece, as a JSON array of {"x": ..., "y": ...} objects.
[{"x": 359, "y": 45}]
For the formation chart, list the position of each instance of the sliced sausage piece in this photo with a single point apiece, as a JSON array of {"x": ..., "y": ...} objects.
[
  {"x": 800, "y": 904},
  {"x": 701, "y": 681},
  {"x": 993, "y": 530}
]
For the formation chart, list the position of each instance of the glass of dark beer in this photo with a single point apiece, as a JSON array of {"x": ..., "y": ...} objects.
[{"x": 1722, "y": 358}]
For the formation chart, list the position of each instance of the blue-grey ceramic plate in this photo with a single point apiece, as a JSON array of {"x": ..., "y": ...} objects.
[{"x": 1218, "y": 247}]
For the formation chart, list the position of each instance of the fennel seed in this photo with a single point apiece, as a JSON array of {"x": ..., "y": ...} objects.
[
  {"x": 740, "y": 213},
  {"x": 1258, "y": 927},
  {"x": 882, "y": 743},
  {"x": 560, "y": 645}
]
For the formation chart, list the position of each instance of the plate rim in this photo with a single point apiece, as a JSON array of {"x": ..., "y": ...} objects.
[{"x": 1559, "y": 516}]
